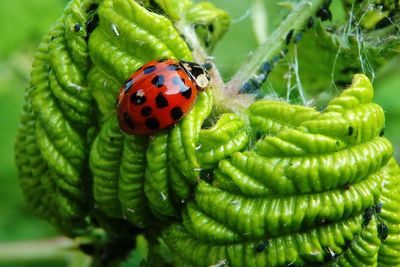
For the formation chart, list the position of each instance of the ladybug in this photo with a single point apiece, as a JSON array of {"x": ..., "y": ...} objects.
[{"x": 159, "y": 94}]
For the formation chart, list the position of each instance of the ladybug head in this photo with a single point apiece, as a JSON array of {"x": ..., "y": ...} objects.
[{"x": 198, "y": 73}]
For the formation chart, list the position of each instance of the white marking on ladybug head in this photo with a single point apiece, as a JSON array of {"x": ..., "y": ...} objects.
[
  {"x": 186, "y": 66},
  {"x": 202, "y": 80},
  {"x": 198, "y": 74}
]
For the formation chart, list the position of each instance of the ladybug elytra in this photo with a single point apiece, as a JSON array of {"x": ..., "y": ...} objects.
[{"x": 159, "y": 94}]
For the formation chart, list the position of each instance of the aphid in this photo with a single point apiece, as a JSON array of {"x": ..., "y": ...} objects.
[
  {"x": 378, "y": 207},
  {"x": 251, "y": 86},
  {"x": 266, "y": 67},
  {"x": 261, "y": 246},
  {"x": 383, "y": 231},
  {"x": 298, "y": 37},
  {"x": 77, "y": 27},
  {"x": 369, "y": 212},
  {"x": 324, "y": 14},
  {"x": 350, "y": 131},
  {"x": 289, "y": 36}
]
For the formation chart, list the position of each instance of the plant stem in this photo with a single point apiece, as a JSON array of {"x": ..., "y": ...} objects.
[
  {"x": 59, "y": 249},
  {"x": 199, "y": 53},
  {"x": 35, "y": 251},
  {"x": 296, "y": 22},
  {"x": 222, "y": 100}
]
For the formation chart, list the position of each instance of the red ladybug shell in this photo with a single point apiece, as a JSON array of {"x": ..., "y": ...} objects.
[{"x": 155, "y": 97}]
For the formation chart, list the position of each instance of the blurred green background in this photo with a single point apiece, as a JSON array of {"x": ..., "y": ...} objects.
[{"x": 24, "y": 22}]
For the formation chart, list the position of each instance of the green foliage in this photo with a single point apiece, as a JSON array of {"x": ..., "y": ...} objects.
[
  {"x": 218, "y": 187},
  {"x": 20, "y": 25},
  {"x": 301, "y": 190}
]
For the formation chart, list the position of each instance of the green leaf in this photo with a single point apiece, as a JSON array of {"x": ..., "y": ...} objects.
[{"x": 290, "y": 197}]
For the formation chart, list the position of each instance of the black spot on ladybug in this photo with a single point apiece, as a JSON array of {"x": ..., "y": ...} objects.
[
  {"x": 77, "y": 27},
  {"x": 161, "y": 101},
  {"x": 176, "y": 113},
  {"x": 173, "y": 67},
  {"x": 211, "y": 28},
  {"x": 289, "y": 36},
  {"x": 183, "y": 89},
  {"x": 186, "y": 93},
  {"x": 180, "y": 82},
  {"x": 138, "y": 98},
  {"x": 310, "y": 22},
  {"x": 369, "y": 212},
  {"x": 146, "y": 111},
  {"x": 128, "y": 85},
  {"x": 152, "y": 123},
  {"x": 383, "y": 231},
  {"x": 149, "y": 69},
  {"x": 324, "y": 14},
  {"x": 128, "y": 120},
  {"x": 382, "y": 133},
  {"x": 351, "y": 130},
  {"x": 162, "y": 59},
  {"x": 158, "y": 81}
]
